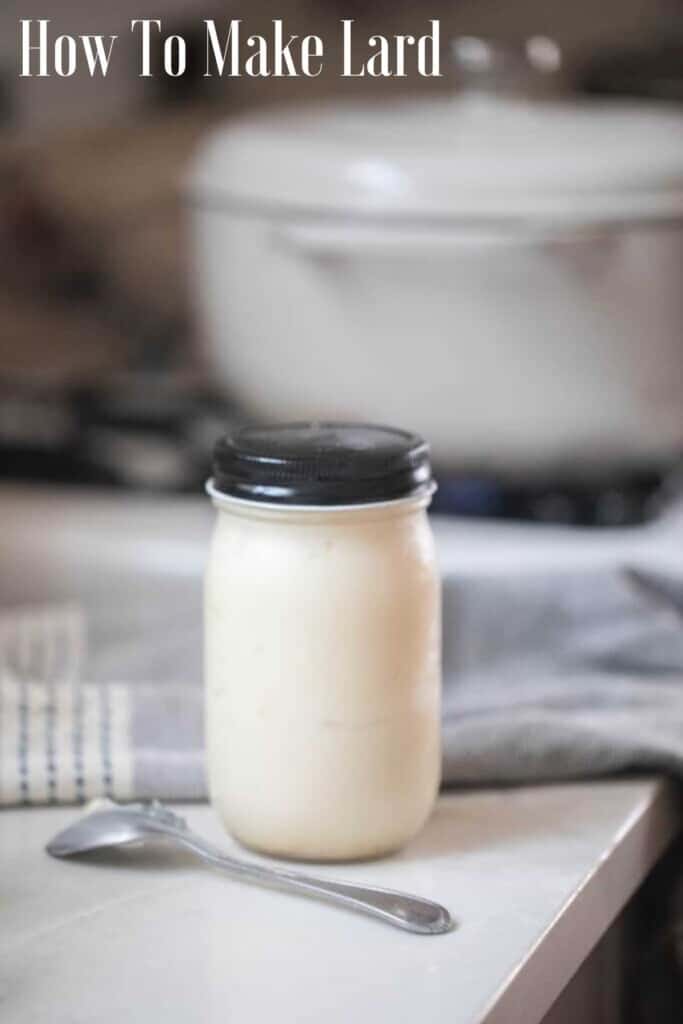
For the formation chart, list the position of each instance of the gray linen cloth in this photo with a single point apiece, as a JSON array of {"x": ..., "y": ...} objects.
[{"x": 563, "y": 675}]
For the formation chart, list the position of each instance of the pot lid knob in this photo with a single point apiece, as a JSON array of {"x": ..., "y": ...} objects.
[{"x": 490, "y": 66}]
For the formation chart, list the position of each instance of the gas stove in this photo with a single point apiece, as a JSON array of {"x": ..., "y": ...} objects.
[{"x": 154, "y": 433}]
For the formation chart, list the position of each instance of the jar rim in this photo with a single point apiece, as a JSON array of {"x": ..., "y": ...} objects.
[{"x": 422, "y": 496}]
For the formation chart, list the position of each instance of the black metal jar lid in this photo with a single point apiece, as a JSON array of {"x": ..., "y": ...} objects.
[{"x": 321, "y": 464}]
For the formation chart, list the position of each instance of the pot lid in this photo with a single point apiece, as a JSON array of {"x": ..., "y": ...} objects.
[{"x": 477, "y": 154}]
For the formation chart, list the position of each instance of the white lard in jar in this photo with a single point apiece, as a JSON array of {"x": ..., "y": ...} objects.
[{"x": 322, "y": 640}]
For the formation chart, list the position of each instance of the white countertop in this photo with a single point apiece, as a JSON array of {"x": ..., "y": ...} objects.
[{"x": 534, "y": 876}]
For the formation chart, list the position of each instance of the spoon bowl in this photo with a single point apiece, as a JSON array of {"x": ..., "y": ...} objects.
[
  {"x": 109, "y": 825},
  {"x": 99, "y": 831}
]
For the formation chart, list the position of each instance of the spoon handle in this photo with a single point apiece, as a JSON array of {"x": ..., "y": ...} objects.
[{"x": 411, "y": 913}]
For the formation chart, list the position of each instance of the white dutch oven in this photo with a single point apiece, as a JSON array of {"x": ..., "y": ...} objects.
[{"x": 503, "y": 275}]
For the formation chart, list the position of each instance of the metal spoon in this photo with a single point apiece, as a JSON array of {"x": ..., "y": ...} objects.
[{"x": 117, "y": 825}]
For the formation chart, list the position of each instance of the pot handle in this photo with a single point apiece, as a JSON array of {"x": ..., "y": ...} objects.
[{"x": 346, "y": 238}]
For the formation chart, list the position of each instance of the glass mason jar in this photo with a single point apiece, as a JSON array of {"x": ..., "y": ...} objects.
[{"x": 323, "y": 649}]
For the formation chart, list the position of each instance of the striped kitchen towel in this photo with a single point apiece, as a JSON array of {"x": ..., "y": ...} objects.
[{"x": 65, "y": 739}]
